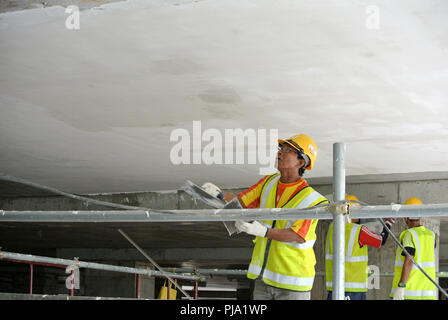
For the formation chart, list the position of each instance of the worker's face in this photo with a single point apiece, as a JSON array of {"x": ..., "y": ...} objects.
[{"x": 287, "y": 158}]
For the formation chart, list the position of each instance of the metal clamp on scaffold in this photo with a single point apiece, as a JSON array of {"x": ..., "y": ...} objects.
[
  {"x": 337, "y": 208},
  {"x": 198, "y": 274},
  {"x": 76, "y": 262}
]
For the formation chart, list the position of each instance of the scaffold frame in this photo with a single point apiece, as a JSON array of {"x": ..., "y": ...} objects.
[{"x": 335, "y": 211}]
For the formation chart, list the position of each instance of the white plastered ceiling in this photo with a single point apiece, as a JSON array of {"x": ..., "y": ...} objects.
[{"x": 92, "y": 110}]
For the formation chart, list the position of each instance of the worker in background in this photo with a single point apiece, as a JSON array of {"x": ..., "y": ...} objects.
[
  {"x": 409, "y": 282},
  {"x": 283, "y": 259},
  {"x": 357, "y": 238}
]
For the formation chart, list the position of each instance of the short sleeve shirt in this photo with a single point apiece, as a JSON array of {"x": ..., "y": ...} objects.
[
  {"x": 408, "y": 244},
  {"x": 285, "y": 191},
  {"x": 407, "y": 240}
]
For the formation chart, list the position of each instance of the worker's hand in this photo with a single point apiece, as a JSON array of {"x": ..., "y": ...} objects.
[
  {"x": 389, "y": 222},
  {"x": 255, "y": 228},
  {"x": 213, "y": 190},
  {"x": 399, "y": 293}
]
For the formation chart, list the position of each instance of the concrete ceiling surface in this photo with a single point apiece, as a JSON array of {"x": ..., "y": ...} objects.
[{"x": 92, "y": 110}]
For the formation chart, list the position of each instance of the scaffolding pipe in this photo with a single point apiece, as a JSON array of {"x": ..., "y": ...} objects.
[
  {"x": 72, "y": 287},
  {"x": 334, "y": 211},
  {"x": 5, "y": 177},
  {"x": 4, "y": 255},
  {"x": 441, "y": 274},
  {"x": 31, "y": 277},
  {"x": 243, "y": 272},
  {"x": 217, "y": 215},
  {"x": 138, "y": 285},
  {"x": 187, "y": 215},
  {"x": 154, "y": 263},
  {"x": 214, "y": 272},
  {"x": 338, "y": 222},
  {"x": 400, "y": 211}
]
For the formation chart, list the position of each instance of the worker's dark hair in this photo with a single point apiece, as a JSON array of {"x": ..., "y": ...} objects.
[{"x": 301, "y": 170}]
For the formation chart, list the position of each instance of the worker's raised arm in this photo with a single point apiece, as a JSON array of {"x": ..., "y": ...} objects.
[{"x": 215, "y": 191}]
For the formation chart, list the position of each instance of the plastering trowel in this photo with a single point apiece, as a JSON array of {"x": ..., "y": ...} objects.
[{"x": 198, "y": 193}]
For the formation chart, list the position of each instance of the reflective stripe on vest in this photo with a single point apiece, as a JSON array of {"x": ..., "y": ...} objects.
[
  {"x": 287, "y": 265},
  {"x": 305, "y": 245},
  {"x": 349, "y": 259},
  {"x": 267, "y": 190},
  {"x": 348, "y": 285},
  {"x": 305, "y": 203},
  {"x": 356, "y": 260},
  {"x": 279, "y": 278},
  {"x": 419, "y": 294},
  {"x": 418, "y": 287}
]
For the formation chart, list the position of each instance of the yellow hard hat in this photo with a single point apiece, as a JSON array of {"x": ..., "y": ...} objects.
[
  {"x": 305, "y": 145},
  {"x": 352, "y": 197},
  {"x": 413, "y": 200}
]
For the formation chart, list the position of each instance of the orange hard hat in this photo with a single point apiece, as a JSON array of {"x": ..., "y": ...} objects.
[
  {"x": 354, "y": 198},
  {"x": 413, "y": 200}
]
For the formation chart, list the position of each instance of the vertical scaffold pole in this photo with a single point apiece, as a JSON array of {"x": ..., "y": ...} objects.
[
  {"x": 138, "y": 285},
  {"x": 338, "y": 222},
  {"x": 31, "y": 277}
]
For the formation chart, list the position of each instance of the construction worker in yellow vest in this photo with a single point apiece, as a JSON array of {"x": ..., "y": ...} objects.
[
  {"x": 283, "y": 260},
  {"x": 357, "y": 237},
  {"x": 409, "y": 282}
]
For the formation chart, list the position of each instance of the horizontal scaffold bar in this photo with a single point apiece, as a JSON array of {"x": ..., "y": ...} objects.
[
  {"x": 204, "y": 215},
  {"x": 27, "y": 258}
]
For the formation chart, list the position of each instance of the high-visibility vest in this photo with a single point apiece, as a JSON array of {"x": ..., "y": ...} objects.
[
  {"x": 287, "y": 265},
  {"x": 356, "y": 260},
  {"x": 418, "y": 286}
]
